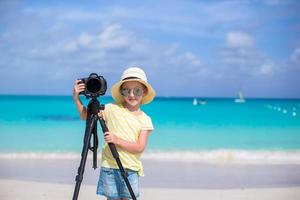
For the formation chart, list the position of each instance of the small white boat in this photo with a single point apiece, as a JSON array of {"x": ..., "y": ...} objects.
[
  {"x": 202, "y": 102},
  {"x": 241, "y": 98}
]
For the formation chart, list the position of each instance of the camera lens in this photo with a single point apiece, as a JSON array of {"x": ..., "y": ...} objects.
[{"x": 93, "y": 85}]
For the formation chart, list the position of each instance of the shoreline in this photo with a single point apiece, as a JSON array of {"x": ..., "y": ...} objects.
[{"x": 217, "y": 156}]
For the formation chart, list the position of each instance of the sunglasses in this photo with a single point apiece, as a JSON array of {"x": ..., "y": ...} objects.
[{"x": 137, "y": 91}]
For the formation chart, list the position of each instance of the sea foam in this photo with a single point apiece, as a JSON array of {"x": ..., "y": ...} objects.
[
  {"x": 222, "y": 156},
  {"x": 229, "y": 156}
]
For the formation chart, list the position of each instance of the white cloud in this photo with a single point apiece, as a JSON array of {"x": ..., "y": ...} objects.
[
  {"x": 240, "y": 55},
  {"x": 239, "y": 40},
  {"x": 266, "y": 69},
  {"x": 112, "y": 37},
  {"x": 84, "y": 39},
  {"x": 295, "y": 57},
  {"x": 194, "y": 60}
]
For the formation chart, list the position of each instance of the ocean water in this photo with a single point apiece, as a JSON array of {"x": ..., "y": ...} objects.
[{"x": 258, "y": 130}]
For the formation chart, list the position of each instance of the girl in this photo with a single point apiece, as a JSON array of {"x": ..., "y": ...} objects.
[{"x": 129, "y": 128}]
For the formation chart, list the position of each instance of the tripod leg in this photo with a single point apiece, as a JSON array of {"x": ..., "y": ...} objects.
[
  {"x": 124, "y": 175},
  {"x": 115, "y": 154},
  {"x": 88, "y": 132},
  {"x": 95, "y": 146}
]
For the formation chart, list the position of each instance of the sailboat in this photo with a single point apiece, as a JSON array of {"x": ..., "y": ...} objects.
[
  {"x": 195, "y": 102},
  {"x": 241, "y": 98},
  {"x": 199, "y": 102}
]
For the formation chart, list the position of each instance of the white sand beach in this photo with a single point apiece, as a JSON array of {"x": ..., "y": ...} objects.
[
  {"x": 45, "y": 179},
  {"x": 29, "y": 190}
]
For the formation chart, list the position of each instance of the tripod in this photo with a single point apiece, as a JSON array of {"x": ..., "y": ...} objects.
[{"x": 91, "y": 130}]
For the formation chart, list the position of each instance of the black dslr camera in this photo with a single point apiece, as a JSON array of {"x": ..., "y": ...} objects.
[{"x": 94, "y": 86}]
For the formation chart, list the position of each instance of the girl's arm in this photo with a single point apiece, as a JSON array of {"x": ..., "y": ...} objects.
[
  {"x": 80, "y": 107},
  {"x": 132, "y": 147}
]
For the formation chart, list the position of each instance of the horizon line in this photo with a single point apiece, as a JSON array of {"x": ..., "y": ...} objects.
[{"x": 169, "y": 96}]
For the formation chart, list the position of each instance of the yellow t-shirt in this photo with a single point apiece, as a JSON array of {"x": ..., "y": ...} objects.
[{"x": 126, "y": 126}]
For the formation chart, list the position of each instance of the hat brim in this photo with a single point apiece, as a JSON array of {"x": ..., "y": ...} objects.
[{"x": 115, "y": 91}]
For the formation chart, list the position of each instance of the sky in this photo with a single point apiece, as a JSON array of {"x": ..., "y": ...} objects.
[{"x": 187, "y": 48}]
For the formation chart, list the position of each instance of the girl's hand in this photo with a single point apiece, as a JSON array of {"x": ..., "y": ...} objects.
[
  {"x": 100, "y": 113},
  {"x": 78, "y": 87},
  {"x": 110, "y": 138}
]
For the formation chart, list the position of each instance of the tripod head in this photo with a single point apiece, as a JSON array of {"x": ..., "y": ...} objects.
[{"x": 94, "y": 106}]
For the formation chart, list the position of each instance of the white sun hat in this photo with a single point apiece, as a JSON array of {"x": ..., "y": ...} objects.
[{"x": 133, "y": 74}]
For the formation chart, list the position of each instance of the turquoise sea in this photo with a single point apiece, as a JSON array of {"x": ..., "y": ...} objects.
[{"x": 34, "y": 125}]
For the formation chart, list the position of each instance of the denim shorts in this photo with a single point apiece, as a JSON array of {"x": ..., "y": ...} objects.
[{"x": 112, "y": 185}]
